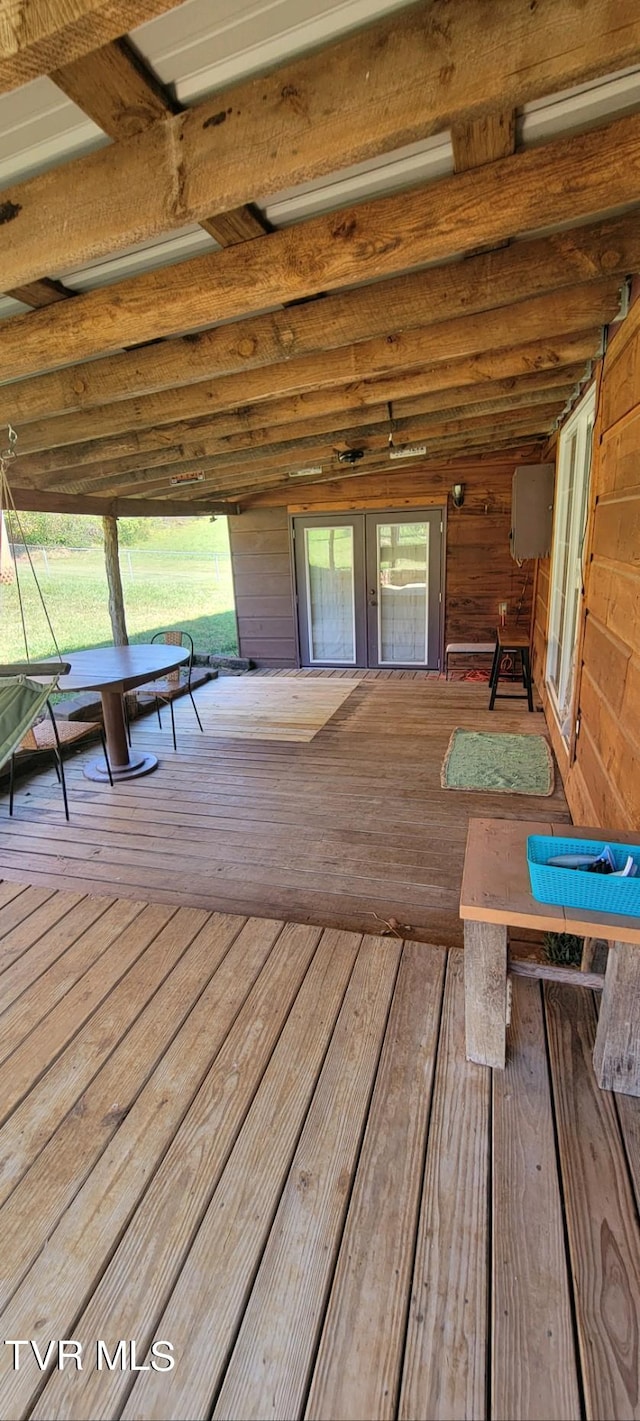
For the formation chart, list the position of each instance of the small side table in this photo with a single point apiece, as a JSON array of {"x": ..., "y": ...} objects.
[
  {"x": 495, "y": 896},
  {"x": 511, "y": 641}
]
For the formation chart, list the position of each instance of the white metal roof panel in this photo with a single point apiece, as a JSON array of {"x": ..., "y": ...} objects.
[
  {"x": 200, "y": 47},
  {"x": 40, "y": 128},
  {"x": 145, "y": 256},
  {"x": 579, "y": 108},
  {"x": 10, "y": 307},
  {"x": 410, "y": 166}
]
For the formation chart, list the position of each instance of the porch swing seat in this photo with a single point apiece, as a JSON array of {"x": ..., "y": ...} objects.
[{"x": 21, "y": 702}]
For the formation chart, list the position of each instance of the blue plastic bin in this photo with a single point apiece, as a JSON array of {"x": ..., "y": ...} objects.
[{"x": 571, "y": 888}]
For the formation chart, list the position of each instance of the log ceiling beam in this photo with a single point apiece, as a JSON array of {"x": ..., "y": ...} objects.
[
  {"x": 123, "y": 97},
  {"x": 246, "y": 483},
  {"x": 336, "y": 404},
  {"x": 314, "y": 115},
  {"x": 444, "y": 469},
  {"x": 50, "y": 469},
  {"x": 294, "y": 453},
  {"x": 497, "y": 279},
  {"x": 120, "y": 93},
  {"x": 428, "y": 359},
  {"x": 45, "y": 501},
  {"x": 568, "y": 179},
  {"x": 37, "y": 36},
  {"x": 116, "y": 90}
]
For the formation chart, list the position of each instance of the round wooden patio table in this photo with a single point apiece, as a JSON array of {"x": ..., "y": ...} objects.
[{"x": 112, "y": 670}]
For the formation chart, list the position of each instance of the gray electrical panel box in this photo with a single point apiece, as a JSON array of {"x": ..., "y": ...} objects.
[{"x": 532, "y": 511}]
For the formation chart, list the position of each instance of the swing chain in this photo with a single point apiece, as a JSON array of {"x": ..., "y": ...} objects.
[{"x": 10, "y": 452}]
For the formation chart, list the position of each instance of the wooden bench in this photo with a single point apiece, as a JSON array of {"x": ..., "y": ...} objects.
[
  {"x": 467, "y": 648},
  {"x": 495, "y": 896}
]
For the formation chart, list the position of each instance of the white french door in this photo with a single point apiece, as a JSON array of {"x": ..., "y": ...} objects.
[{"x": 369, "y": 589}]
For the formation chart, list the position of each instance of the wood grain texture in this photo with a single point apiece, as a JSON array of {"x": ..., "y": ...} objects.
[
  {"x": 36, "y": 38},
  {"x": 528, "y": 268},
  {"x": 483, "y": 140},
  {"x": 568, "y": 179},
  {"x": 114, "y": 89},
  {"x": 312, "y": 116},
  {"x": 240, "y": 1217},
  {"x": 533, "y": 1371},
  {"x": 604, "y": 1241},
  {"x": 270, "y": 1364},
  {"x": 358, "y": 1366},
  {"x": 205, "y": 1082},
  {"x": 214, "y": 1141},
  {"x": 349, "y": 841},
  {"x": 540, "y": 333},
  {"x": 616, "y": 1056},
  {"x": 445, "y": 1366},
  {"x": 320, "y": 410},
  {"x": 485, "y": 992},
  {"x": 40, "y": 293}
]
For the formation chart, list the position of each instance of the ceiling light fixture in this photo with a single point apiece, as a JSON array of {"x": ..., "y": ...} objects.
[
  {"x": 304, "y": 473},
  {"x": 350, "y": 456}
]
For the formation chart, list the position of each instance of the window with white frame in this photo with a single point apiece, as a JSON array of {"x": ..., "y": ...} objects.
[{"x": 570, "y": 519}]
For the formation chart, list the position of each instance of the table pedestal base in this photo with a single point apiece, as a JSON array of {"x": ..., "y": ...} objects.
[{"x": 139, "y": 764}]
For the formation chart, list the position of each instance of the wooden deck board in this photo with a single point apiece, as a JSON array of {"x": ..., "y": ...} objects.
[
  {"x": 533, "y": 1365},
  {"x": 445, "y": 1369},
  {"x": 359, "y": 1363},
  {"x": 346, "y": 829},
  {"x": 601, "y": 1222},
  {"x": 263, "y": 1142}
]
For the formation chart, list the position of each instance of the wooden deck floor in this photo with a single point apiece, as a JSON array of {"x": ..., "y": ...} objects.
[
  {"x": 349, "y": 830},
  {"x": 261, "y": 1142}
]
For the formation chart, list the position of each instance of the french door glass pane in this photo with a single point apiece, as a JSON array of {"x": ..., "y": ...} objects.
[
  {"x": 403, "y": 581},
  {"x": 330, "y": 594}
]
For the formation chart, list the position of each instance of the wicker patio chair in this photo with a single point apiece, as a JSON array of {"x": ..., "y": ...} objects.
[{"x": 49, "y": 737}]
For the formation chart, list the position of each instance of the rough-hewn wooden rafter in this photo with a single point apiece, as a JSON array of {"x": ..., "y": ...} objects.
[
  {"x": 26, "y": 501},
  {"x": 337, "y": 404},
  {"x": 568, "y": 179},
  {"x": 38, "y": 35},
  {"x": 483, "y": 140},
  {"x": 241, "y": 480},
  {"x": 121, "y": 95},
  {"x": 312, "y": 116},
  {"x": 528, "y": 268},
  {"x": 286, "y": 453},
  {"x": 333, "y": 425}
]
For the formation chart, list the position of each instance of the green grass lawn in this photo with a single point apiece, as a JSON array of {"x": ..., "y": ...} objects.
[{"x": 180, "y": 577}]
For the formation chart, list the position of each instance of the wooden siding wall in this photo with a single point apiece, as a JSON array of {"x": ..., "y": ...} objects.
[
  {"x": 260, "y": 558},
  {"x": 480, "y": 571},
  {"x": 603, "y": 782}
]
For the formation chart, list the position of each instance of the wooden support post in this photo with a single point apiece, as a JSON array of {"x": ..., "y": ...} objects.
[
  {"x": 485, "y": 992},
  {"x": 616, "y": 1056},
  {"x": 114, "y": 581}
]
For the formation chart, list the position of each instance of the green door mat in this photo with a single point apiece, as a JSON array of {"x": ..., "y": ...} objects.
[{"x": 504, "y": 764}]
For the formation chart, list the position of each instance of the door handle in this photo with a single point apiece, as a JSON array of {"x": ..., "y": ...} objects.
[{"x": 373, "y": 597}]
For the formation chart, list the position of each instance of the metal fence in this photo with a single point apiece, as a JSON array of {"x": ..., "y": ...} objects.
[{"x": 136, "y": 564}]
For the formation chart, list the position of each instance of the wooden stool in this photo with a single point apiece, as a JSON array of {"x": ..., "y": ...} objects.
[{"x": 511, "y": 640}]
